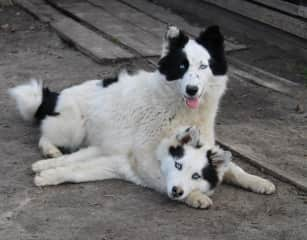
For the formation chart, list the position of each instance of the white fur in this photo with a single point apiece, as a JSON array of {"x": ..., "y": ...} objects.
[
  {"x": 124, "y": 123},
  {"x": 28, "y": 98}
]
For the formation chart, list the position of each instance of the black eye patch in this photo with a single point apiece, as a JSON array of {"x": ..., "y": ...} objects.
[
  {"x": 176, "y": 152},
  {"x": 174, "y": 65}
]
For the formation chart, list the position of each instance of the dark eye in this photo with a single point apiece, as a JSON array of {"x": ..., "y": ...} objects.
[
  {"x": 203, "y": 66},
  {"x": 195, "y": 176},
  {"x": 178, "y": 165}
]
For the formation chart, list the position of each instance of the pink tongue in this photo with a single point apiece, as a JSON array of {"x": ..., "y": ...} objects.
[{"x": 192, "y": 102}]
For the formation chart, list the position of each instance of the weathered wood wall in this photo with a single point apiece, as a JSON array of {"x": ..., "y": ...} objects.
[{"x": 289, "y": 16}]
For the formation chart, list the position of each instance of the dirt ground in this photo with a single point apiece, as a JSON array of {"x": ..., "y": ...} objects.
[{"x": 110, "y": 209}]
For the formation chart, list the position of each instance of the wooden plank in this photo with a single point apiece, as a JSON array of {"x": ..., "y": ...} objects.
[
  {"x": 262, "y": 14},
  {"x": 144, "y": 43},
  {"x": 87, "y": 41},
  {"x": 167, "y": 17},
  {"x": 287, "y": 7},
  {"x": 131, "y": 15},
  {"x": 266, "y": 130},
  {"x": 263, "y": 166},
  {"x": 40, "y": 10},
  {"x": 264, "y": 78}
]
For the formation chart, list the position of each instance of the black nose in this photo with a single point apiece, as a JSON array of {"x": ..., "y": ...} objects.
[
  {"x": 177, "y": 192},
  {"x": 191, "y": 90}
]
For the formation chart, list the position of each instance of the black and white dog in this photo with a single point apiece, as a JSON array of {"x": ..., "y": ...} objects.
[{"x": 123, "y": 119}]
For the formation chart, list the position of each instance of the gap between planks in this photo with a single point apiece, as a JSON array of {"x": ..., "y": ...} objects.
[{"x": 85, "y": 40}]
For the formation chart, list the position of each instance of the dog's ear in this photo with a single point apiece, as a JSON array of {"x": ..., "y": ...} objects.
[
  {"x": 218, "y": 157},
  {"x": 211, "y": 37},
  {"x": 213, "y": 41},
  {"x": 174, "y": 39}
]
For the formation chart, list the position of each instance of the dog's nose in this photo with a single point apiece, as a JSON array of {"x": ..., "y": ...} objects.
[
  {"x": 177, "y": 192},
  {"x": 191, "y": 90}
]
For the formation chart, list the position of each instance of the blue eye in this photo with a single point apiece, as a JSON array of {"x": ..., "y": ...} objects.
[
  {"x": 182, "y": 66},
  {"x": 203, "y": 66},
  {"x": 178, "y": 165},
  {"x": 195, "y": 176}
]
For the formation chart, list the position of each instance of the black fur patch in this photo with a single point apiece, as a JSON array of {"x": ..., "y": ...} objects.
[
  {"x": 48, "y": 105},
  {"x": 175, "y": 63},
  {"x": 213, "y": 41},
  {"x": 209, "y": 172},
  {"x": 108, "y": 81},
  {"x": 176, "y": 152}
]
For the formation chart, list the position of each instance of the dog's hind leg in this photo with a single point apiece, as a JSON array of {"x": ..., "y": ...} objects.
[
  {"x": 48, "y": 149},
  {"x": 91, "y": 170},
  {"x": 80, "y": 156},
  {"x": 237, "y": 176}
]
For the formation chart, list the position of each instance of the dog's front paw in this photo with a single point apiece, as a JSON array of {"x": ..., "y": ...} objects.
[
  {"x": 197, "y": 199},
  {"x": 218, "y": 155},
  {"x": 39, "y": 166},
  {"x": 47, "y": 177},
  {"x": 263, "y": 186},
  {"x": 190, "y": 135}
]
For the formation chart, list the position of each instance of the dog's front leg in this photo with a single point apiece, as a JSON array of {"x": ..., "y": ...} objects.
[
  {"x": 91, "y": 170},
  {"x": 237, "y": 176},
  {"x": 80, "y": 156},
  {"x": 197, "y": 199}
]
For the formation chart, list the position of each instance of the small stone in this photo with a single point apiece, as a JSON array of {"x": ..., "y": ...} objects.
[
  {"x": 4, "y": 26},
  {"x": 299, "y": 108},
  {"x": 18, "y": 14}
]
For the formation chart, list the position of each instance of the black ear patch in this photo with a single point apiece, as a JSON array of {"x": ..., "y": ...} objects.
[
  {"x": 175, "y": 63},
  {"x": 209, "y": 172},
  {"x": 48, "y": 105},
  {"x": 213, "y": 41},
  {"x": 176, "y": 152}
]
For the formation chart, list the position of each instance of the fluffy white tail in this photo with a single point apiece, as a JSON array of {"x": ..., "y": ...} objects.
[{"x": 28, "y": 98}]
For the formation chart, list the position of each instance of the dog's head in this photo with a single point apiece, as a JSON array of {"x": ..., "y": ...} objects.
[
  {"x": 188, "y": 166},
  {"x": 194, "y": 66}
]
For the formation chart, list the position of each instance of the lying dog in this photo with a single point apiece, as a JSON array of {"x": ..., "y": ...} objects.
[
  {"x": 185, "y": 167},
  {"x": 124, "y": 118}
]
